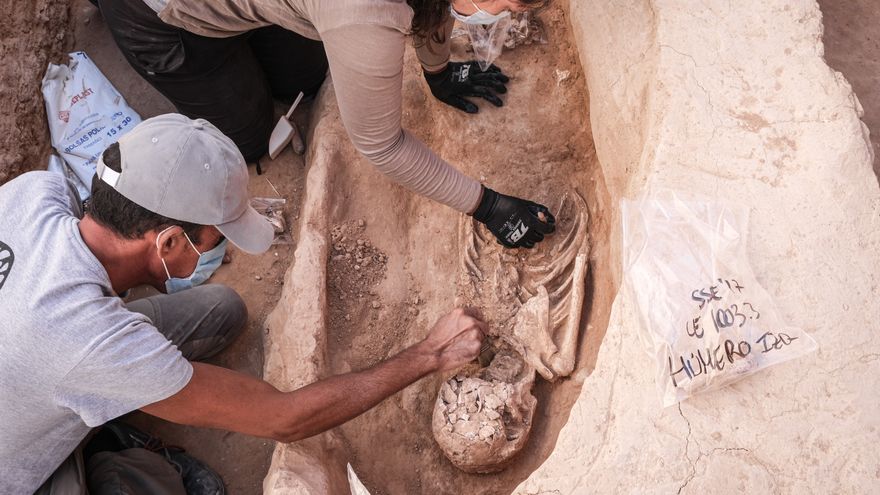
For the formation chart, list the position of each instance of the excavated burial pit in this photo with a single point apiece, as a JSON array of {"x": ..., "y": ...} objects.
[{"x": 393, "y": 263}]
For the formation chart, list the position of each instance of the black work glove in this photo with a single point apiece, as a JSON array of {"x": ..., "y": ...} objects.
[
  {"x": 514, "y": 221},
  {"x": 461, "y": 79}
]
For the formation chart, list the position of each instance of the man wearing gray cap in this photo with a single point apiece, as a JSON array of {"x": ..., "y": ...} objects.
[{"x": 74, "y": 356}]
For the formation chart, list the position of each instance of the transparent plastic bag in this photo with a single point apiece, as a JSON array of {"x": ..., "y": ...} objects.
[
  {"x": 525, "y": 29},
  {"x": 273, "y": 210},
  {"x": 486, "y": 41},
  {"x": 705, "y": 319}
]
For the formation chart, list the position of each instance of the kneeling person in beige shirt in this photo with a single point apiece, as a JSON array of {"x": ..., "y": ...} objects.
[{"x": 225, "y": 60}]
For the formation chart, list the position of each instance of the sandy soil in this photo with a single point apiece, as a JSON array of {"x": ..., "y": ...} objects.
[
  {"x": 35, "y": 28},
  {"x": 852, "y": 46},
  {"x": 538, "y": 146}
]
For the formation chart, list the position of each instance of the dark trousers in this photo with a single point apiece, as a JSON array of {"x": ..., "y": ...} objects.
[{"x": 229, "y": 82}]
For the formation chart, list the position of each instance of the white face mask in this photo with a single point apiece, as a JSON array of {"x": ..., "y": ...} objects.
[{"x": 479, "y": 17}]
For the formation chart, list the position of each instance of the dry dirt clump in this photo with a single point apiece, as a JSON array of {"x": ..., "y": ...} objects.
[
  {"x": 355, "y": 268},
  {"x": 33, "y": 34},
  {"x": 482, "y": 418}
]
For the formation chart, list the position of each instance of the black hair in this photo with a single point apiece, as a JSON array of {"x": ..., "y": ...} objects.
[{"x": 124, "y": 217}]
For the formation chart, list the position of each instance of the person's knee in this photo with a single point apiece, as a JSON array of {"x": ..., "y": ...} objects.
[
  {"x": 226, "y": 319},
  {"x": 231, "y": 310}
]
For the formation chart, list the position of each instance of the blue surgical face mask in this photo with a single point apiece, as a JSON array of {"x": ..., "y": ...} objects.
[
  {"x": 208, "y": 263},
  {"x": 480, "y": 16}
]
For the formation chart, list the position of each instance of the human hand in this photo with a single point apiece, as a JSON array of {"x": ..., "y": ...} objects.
[
  {"x": 461, "y": 79},
  {"x": 456, "y": 338},
  {"x": 515, "y": 222}
]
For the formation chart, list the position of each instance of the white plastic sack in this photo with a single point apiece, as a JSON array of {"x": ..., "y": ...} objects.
[
  {"x": 57, "y": 165},
  {"x": 705, "y": 319},
  {"x": 86, "y": 114}
]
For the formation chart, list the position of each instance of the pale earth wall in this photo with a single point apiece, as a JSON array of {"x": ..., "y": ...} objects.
[
  {"x": 731, "y": 99},
  {"x": 734, "y": 99}
]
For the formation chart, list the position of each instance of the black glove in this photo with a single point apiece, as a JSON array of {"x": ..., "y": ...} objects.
[
  {"x": 460, "y": 79},
  {"x": 514, "y": 221}
]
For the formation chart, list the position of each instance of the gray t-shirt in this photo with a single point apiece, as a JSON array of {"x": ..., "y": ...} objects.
[{"x": 71, "y": 356}]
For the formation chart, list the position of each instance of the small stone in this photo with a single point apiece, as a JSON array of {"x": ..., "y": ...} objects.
[
  {"x": 415, "y": 299},
  {"x": 361, "y": 223},
  {"x": 276, "y": 254},
  {"x": 258, "y": 277},
  {"x": 360, "y": 242},
  {"x": 561, "y": 76},
  {"x": 492, "y": 401},
  {"x": 347, "y": 317},
  {"x": 376, "y": 305},
  {"x": 486, "y": 432},
  {"x": 357, "y": 267},
  {"x": 448, "y": 394}
]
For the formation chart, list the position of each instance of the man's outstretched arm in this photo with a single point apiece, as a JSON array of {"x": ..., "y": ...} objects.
[{"x": 221, "y": 398}]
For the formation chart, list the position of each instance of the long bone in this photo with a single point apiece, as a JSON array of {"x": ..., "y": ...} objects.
[
  {"x": 563, "y": 362},
  {"x": 564, "y": 260}
]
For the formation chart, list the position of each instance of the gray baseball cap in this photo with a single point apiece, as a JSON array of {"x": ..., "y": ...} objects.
[{"x": 188, "y": 170}]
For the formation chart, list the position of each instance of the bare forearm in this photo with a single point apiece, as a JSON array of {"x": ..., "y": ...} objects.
[
  {"x": 222, "y": 398},
  {"x": 226, "y": 399},
  {"x": 333, "y": 401}
]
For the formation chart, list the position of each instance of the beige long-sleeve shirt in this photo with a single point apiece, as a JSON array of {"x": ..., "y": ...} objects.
[{"x": 365, "y": 42}]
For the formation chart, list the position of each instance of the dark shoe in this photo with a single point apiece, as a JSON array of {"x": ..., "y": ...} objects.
[{"x": 198, "y": 478}]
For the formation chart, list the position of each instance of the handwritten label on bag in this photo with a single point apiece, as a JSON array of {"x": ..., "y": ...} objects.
[{"x": 730, "y": 320}]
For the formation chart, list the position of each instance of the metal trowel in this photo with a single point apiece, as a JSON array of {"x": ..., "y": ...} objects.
[{"x": 285, "y": 132}]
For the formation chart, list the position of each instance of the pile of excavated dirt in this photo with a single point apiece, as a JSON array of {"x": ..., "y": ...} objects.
[
  {"x": 355, "y": 269},
  {"x": 33, "y": 34}
]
